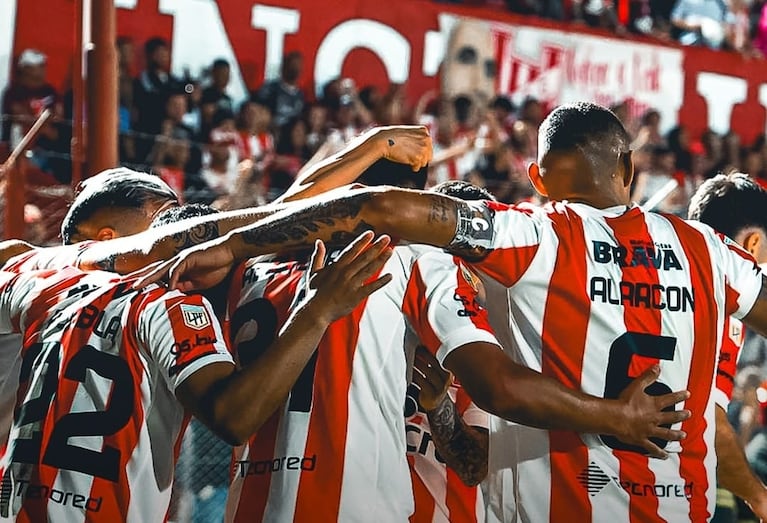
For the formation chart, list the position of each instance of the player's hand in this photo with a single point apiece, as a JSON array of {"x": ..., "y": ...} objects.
[
  {"x": 199, "y": 267},
  {"x": 759, "y": 506},
  {"x": 645, "y": 415},
  {"x": 408, "y": 144},
  {"x": 338, "y": 287},
  {"x": 431, "y": 379}
]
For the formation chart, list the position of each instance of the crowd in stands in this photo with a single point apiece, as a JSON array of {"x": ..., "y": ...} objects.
[{"x": 735, "y": 25}]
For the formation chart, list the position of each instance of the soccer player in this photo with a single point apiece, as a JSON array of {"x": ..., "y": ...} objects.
[
  {"x": 599, "y": 291},
  {"x": 109, "y": 373},
  {"x": 345, "y": 413},
  {"x": 447, "y": 434},
  {"x": 734, "y": 205}
]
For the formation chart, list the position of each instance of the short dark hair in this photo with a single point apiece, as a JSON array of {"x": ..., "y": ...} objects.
[
  {"x": 220, "y": 62},
  {"x": 121, "y": 187},
  {"x": 153, "y": 44},
  {"x": 463, "y": 190},
  {"x": 588, "y": 128},
  {"x": 183, "y": 212},
  {"x": 730, "y": 203},
  {"x": 387, "y": 172}
]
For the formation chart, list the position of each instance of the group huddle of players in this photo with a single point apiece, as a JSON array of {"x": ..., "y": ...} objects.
[{"x": 593, "y": 332}]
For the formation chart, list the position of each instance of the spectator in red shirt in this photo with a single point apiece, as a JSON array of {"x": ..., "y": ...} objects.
[{"x": 28, "y": 95}]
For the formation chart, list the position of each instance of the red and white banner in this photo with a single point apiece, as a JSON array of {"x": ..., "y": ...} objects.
[{"x": 405, "y": 40}]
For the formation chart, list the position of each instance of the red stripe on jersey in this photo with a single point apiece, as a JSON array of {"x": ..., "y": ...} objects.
[
  {"x": 461, "y": 500},
  {"x": 565, "y": 321},
  {"x": 731, "y": 297},
  {"x": 630, "y": 231},
  {"x": 125, "y": 439},
  {"x": 413, "y": 306},
  {"x": 280, "y": 290},
  {"x": 507, "y": 265},
  {"x": 732, "y": 341},
  {"x": 232, "y": 301},
  {"x": 694, "y": 448},
  {"x": 422, "y": 498},
  {"x": 327, "y": 432},
  {"x": 255, "y": 489},
  {"x": 467, "y": 288}
]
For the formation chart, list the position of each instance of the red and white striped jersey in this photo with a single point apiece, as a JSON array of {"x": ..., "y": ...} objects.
[
  {"x": 734, "y": 334},
  {"x": 439, "y": 494},
  {"x": 97, "y": 425},
  {"x": 336, "y": 450},
  {"x": 594, "y": 298}
]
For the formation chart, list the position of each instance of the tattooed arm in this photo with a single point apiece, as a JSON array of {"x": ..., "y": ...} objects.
[
  {"x": 408, "y": 144},
  {"x": 130, "y": 253},
  {"x": 463, "y": 447},
  {"x": 416, "y": 216}
]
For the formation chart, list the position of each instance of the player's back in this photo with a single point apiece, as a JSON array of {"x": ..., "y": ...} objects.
[
  {"x": 336, "y": 450},
  {"x": 97, "y": 424},
  {"x": 597, "y": 297}
]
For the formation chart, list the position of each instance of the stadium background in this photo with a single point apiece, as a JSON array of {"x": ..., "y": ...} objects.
[{"x": 693, "y": 111}]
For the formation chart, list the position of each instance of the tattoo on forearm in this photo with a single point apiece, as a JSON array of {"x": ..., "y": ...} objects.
[
  {"x": 298, "y": 229},
  {"x": 107, "y": 263},
  {"x": 463, "y": 451},
  {"x": 439, "y": 211},
  {"x": 195, "y": 236}
]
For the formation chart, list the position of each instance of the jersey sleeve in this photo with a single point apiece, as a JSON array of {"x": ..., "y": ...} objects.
[
  {"x": 48, "y": 257},
  {"x": 511, "y": 234},
  {"x": 732, "y": 341},
  {"x": 15, "y": 291},
  {"x": 182, "y": 335},
  {"x": 743, "y": 277},
  {"x": 441, "y": 304}
]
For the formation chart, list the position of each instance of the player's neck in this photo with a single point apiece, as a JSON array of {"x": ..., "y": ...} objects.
[{"x": 602, "y": 201}]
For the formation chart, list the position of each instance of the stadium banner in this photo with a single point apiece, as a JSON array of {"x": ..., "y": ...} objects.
[{"x": 405, "y": 41}]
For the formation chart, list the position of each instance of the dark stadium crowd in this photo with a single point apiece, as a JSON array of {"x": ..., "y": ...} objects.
[{"x": 734, "y": 25}]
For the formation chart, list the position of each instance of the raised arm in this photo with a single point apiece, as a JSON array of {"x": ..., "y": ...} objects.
[{"x": 408, "y": 144}]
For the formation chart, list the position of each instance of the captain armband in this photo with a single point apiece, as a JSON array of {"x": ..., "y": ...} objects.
[{"x": 474, "y": 227}]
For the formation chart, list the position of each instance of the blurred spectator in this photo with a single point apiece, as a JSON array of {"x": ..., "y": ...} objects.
[
  {"x": 172, "y": 158},
  {"x": 218, "y": 176},
  {"x": 151, "y": 90},
  {"x": 292, "y": 152},
  {"x": 544, "y": 8},
  {"x": 679, "y": 142},
  {"x": 597, "y": 13},
  {"x": 127, "y": 149},
  {"x": 27, "y": 96},
  {"x": 283, "y": 96},
  {"x": 731, "y": 152},
  {"x": 317, "y": 121},
  {"x": 649, "y": 130},
  {"x": 702, "y": 22},
  {"x": 126, "y": 56},
  {"x": 503, "y": 112},
  {"x": 657, "y": 178},
  {"x": 256, "y": 141},
  {"x": 714, "y": 148},
  {"x": 214, "y": 97}
]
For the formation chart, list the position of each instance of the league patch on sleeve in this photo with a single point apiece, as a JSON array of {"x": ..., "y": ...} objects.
[{"x": 195, "y": 316}]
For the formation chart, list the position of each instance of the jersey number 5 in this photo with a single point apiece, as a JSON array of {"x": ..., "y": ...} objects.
[
  {"x": 116, "y": 412},
  {"x": 617, "y": 379}
]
